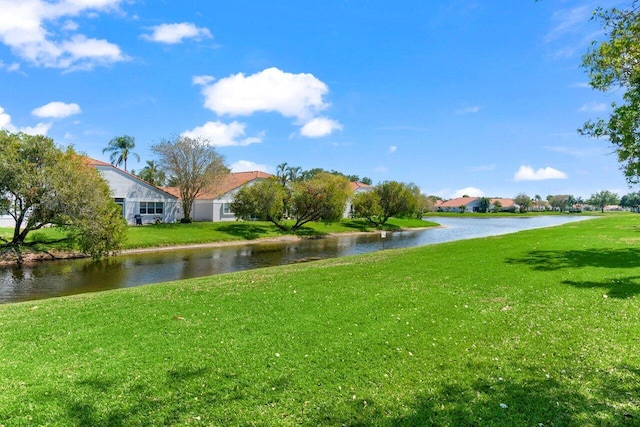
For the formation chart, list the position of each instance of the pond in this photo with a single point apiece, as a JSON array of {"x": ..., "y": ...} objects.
[{"x": 67, "y": 277}]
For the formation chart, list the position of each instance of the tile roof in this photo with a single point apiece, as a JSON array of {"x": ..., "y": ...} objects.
[
  {"x": 457, "y": 202},
  {"x": 228, "y": 183},
  {"x": 359, "y": 185}
]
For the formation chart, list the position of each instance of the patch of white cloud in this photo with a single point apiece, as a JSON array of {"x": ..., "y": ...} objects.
[
  {"x": 31, "y": 29},
  {"x": 319, "y": 127},
  {"x": 468, "y": 191},
  {"x": 177, "y": 33},
  {"x": 6, "y": 124},
  {"x": 393, "y": 149},
  {"x": 202, "y": 80},
  {"x": 572, "y": 31},
  {"x": 292, "y": 95},
  {"x": 381, "y": 169},
  {"x": 527, "y": 173},
  {"x": 593, "y": 107},
  {"x": 299, "y": 96},
  {"x": 57, "y": 110},
  {"x": 468, "y": 110},
  {"x": 221, "y": 134},
  {"x": 580, "y": 85},
  {"x": 248, "y": 166}
]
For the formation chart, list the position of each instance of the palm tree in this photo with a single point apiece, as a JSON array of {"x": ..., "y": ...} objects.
[
  {"x": 120, "y": 148},
  {"x": 152, "y": 174}
]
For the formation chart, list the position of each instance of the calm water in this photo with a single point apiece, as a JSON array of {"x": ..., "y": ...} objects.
[{"x": 50, "y": 279}]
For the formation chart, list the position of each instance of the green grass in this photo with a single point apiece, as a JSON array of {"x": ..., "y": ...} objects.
[
  {"x": 545, "y": 322},
  {"x": 207, "y": 232}
]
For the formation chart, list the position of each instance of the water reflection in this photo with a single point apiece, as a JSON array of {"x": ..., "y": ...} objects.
[{"x": 68, "y": 277}]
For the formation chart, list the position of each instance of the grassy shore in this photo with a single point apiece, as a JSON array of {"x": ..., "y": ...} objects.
[
  {"x": 163, "y": 235},
  {"x": 535, "y": 328}
]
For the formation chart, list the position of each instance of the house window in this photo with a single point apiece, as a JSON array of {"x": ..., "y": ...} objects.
[
  {"x": 120, "y": 202},
  {"x": 151, "y": 208},
  {"x": 226, "y": 209}
]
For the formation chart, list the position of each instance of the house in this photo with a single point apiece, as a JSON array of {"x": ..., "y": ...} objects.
[
  {"x": 472, "y": 204},
  {"x": 137, "y": 198},
  {"x": 215, "y": 203},
  {"x": 355, "y": 188}
]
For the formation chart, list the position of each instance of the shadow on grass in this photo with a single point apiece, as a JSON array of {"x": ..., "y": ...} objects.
[
  {"x": 534, "y": 400},
  {"x": 244, "y": 230},
  {"x": 556, "y": 260},
  {"x": 618, "y": 287}
]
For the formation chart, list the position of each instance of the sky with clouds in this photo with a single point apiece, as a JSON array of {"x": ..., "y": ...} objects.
[{"x": 456, "y": 96}]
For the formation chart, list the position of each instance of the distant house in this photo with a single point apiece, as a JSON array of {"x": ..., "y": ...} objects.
[
  {"x": 215, "y": 203},
  {"x": 355, "y": 188},
  {"x": 137, "y": 198},
  {"x": 472, "y": 204}
]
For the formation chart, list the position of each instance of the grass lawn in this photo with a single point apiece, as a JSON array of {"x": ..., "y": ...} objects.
[
  {"x": 535, "y": 328},
  {"x": 207, "y": 232}
]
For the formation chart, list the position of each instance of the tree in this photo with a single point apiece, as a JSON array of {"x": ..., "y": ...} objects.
[
  {"x": 192, "y": 164},
  {"x": 631, "y": 201},
  {"x": 264, "y": 200},
  {"x": 484, "y": 204},
  {"x": 602, "y": 199},
  {"x": 524, "y": 202},
  {"x": 615, "y": 64},
  {"x": 393, "y": 198},
  {"x": 497, "y": 206},
  {"x": 321, "y": 198},
  {"x": 366, "y": 180},
  {"x": 120, "y": 148},
  {"x": 152, "y": 174},
  {"x": 41, "y": 185}
]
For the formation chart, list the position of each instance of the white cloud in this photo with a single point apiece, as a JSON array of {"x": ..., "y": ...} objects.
[
  {"x": 569, "y": 21},
  {"x": 271, "y": 90},
  {"x": 247, "y": 166},
  {"x": 202, "y": 80},
  {"x": 224, "y": 134},
  {"x": 30, "y": 27},
  {"x": 580, "y": 85},
  {"x": 176, "y": 33},
  {"x": 393, "y": 149},
  {"x": 526, "y": 173},
  {"x": 593, "y": 107},
  {"x": 320, "y": 126},
  {"x": 5, "y": 123},
  {"x": 57, "y": 110},
  {"x": 468, "y": 191},
  {"x": 468, "y": 110}
]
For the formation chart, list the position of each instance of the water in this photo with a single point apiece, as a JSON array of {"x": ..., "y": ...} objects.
[{"x": 67, "y": 277}]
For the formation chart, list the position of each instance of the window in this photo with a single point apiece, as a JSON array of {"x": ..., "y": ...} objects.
[
  {"x": 151, "y": 208},
  {"x": 120, "y": 202},
  {"x": 226, "y": 208}
]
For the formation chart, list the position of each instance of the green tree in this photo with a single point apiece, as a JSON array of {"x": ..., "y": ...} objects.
[
  {"x": 264, "y": 200},
  {"x": 152, "y": 174},
  {"x": 631, "y": 201},
  {"x": 192, "y": 164},
  {"x": 41, "y": 185},
  {"x": 524, "y": 202},
  {"x": 393, "y": 198},
  {"x": 614, "y": 64},
  {"x": 120, "y": 148},
  {"x": 497, "y": 206},
  {"x": 484, "y": 204},
  {"x": 602, "y": 199},
  {"x": 321, "y": 198}
]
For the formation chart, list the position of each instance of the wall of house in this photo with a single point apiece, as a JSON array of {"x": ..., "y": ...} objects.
[
  {"x": 134, "y": 191},
  {"x": 7, "y": 221}
]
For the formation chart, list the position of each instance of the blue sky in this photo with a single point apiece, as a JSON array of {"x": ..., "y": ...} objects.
[{"x": 456, "y": 96}]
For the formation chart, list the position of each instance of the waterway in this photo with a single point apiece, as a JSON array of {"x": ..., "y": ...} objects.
[{"x": 67, "y": 277}]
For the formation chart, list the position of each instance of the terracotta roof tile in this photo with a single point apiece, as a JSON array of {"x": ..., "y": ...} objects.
[{"x": 228, "y": 183}]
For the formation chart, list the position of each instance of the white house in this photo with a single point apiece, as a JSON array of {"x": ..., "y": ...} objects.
[
  {"x": 472, "y": 204},
  {"x": 215, "y": 203},
  {"x": 355, "y": 187},
  {"x": 137, "y": 198}
]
